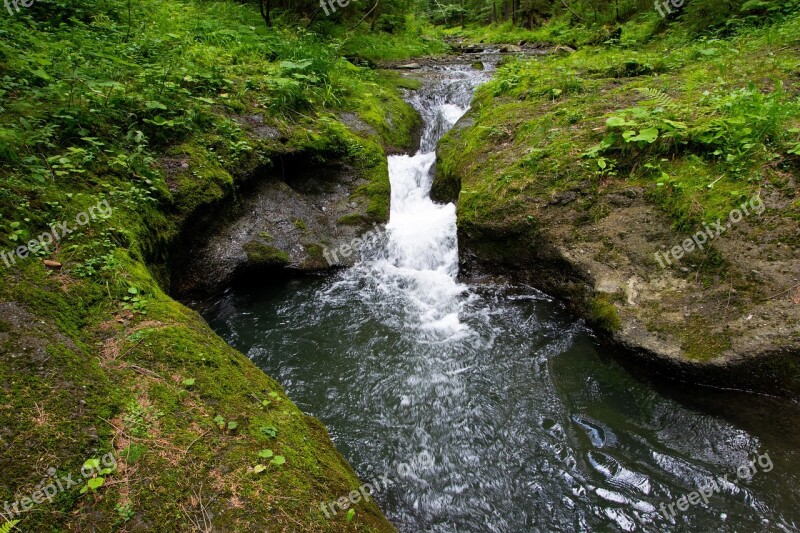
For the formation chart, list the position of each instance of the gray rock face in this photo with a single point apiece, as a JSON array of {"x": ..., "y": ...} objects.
[{"x": 289, "y": 219}]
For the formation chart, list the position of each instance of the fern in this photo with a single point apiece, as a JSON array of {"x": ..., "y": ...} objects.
[
  {"x": 8, "y": 526},
  {"x": 658, "y": 96}
]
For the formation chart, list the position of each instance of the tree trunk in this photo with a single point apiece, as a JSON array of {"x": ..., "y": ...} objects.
[{"x": 265, "y": 9}]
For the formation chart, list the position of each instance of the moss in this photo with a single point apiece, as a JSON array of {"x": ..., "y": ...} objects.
[
  {"x": 204, "y": 180},
  {"x": 700, "y": 342},
  {"x": 377, "y": 191},
  {"x": 351, "y": 219},
  {"x": 265, "y": 255},
  {"x": 95, "y": 376},
  {"x": 314, "y": 250},
  {"x": 446, "y": 185},
  {"x": 603, "y": 313}
]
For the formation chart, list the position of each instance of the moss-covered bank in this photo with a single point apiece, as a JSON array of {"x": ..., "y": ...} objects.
[
  {"x": 576, "y": 169},
  {"x": 165, "y": 110}
]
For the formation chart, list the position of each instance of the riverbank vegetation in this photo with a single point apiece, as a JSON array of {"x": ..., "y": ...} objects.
[
  {"x": 609, "y": 153},
  {"x": 164, "y": 109}
]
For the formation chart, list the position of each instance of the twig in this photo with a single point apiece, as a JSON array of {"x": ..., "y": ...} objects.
[
  {"x": 365, "y": 16},
  {"x": 571, "y": 11},
  {"x": 146, "y": 372},
  {"x": 195, "y": 440},
  {"x": 292, "y": 519},
  {"x": 781, "y": 293}
]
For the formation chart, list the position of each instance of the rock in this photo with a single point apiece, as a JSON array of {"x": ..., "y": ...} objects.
[
  {"x": 410, "y": 66},
  {"x": 564, "y": 198},
  {"x": 619, "y": 200},
  {"x": 510, "y": 48},
  {"x": 477, "y": 65},
  {"x": 523, "y": 42},
  {"x": 472, "y": 49},
  {"x": 563, "y": 50}
]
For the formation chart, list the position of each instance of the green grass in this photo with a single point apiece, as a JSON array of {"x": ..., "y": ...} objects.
[
  {"x": 716, "y": 107},
  {"x": 163, "y": 114}
]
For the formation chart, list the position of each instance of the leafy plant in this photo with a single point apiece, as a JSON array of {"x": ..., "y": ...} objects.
[
  {"x": 269, "y": 431},
  {"x": 276, "y": 460},
  {"x": 15, "y": 232},
  {"x": 135, "y": 302},
  {"x": 8, "y": 526},
  {"x": 265, "y": 454},
  {"x": 125, "y": 511},
  {"x": 267, "y": 403},
  {"x": 97, "y": 480}
]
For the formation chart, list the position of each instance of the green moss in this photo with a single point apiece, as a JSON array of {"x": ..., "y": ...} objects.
[
  {"x": 265, "y": 255},
  {"x": 700, "y": 342},
  {"x": 94, "y": 373},
  {"x": 603, "y": 313},
  {"x": 377, "y": 191},
  {"x": 203, "y": 182},
  {"x": 351, "y": 219},
  {"x": 314, "y": 250}
]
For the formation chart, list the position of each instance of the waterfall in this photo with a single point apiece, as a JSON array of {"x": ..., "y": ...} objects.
[{"x": 416, "y": 264}]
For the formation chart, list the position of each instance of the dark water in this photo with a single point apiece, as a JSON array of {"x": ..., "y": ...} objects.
[
  {"x": 530, "y": 426},
  {"x": 488, "y": 407}
]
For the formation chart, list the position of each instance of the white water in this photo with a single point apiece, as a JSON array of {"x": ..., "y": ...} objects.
[{"x": 419, "y": 257}]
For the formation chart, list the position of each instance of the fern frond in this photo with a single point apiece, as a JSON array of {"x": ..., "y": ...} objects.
[
  {"x": 658, "y": 96},
  {"x": 8, "y": 526}
]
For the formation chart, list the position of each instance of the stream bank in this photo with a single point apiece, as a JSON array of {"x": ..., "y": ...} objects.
[
  {"x": 484, "y": 403},
  {"x": 550, "y": 189}
]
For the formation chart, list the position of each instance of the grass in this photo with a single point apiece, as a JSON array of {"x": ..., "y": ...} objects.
[
  {"x": 556, "y": 118},
  {"x": 696, "y": 124},
  {"x": 163, "y": 113}
]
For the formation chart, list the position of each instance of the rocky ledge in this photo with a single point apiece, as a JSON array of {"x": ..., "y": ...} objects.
[{"x": 723, "y": 313}]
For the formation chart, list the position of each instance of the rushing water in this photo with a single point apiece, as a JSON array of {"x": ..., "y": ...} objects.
[{"x": 503, "y": 408}]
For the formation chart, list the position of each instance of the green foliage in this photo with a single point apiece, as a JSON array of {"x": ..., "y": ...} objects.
[
  {"x": 125, "y": 511},
  {"x": 277, "y": 460},
  {"x": 269, "y": 431},
  {"x": 729, "y": 128},
  {"x": 98, "y": 476},
  {"x": 8, "y": 526},
  {"x": 134, "y": 301}
]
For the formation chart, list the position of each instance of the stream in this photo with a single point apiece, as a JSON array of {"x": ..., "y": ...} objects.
[{"x": 487, "y": 405}]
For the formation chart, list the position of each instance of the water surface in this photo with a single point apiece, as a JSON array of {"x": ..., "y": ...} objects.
[{"x": 488, "y": 406}]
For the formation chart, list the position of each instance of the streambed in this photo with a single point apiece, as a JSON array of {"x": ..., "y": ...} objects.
[{"x": 531, "y": 425}]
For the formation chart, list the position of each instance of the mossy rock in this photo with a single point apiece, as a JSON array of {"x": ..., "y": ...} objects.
[
  {"x": 603, "y": 313},
  {"x": 260, "y": 254}
]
